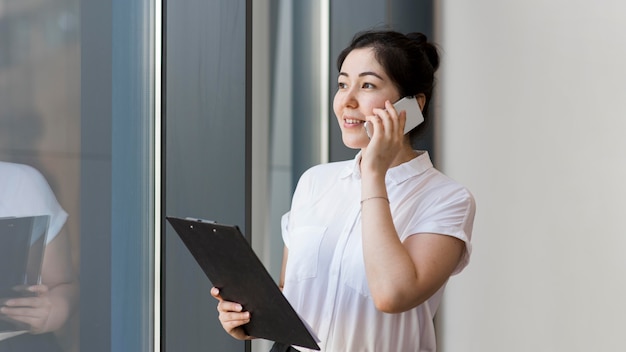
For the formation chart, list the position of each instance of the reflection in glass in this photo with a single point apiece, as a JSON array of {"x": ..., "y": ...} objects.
[
  {"x": 40, "y": 127},
  {"x": 38, "y": 290}
]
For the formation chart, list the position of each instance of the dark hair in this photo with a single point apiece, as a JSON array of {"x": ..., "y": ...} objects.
[{"x": 409, "y": 60}]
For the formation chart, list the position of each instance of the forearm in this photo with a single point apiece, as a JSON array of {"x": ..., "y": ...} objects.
[
  {"x": 64, "y": 299},
  {"x": 391, "y": 273}
]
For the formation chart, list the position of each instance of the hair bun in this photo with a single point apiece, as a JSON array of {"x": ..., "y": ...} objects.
[
  {"x": 420, "y": 38},
  {"x": 427, "y": 48}
]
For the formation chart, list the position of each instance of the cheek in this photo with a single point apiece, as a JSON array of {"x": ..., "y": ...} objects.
[
  {"x": 336, "y": 107},
  {"x": 368, "y": 106}
]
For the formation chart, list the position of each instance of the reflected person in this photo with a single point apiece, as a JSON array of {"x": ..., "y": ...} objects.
[{"x": 47, "y": 306}]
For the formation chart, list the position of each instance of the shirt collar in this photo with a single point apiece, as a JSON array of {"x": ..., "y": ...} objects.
[{"x": 397, "y": 174}]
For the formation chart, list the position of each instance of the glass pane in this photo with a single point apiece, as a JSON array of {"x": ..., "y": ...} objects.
[
  {"x": 76, "y": 144},
  {"x": 40, "y": 128}
]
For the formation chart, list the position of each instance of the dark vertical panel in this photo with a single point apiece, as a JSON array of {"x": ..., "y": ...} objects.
[
  {"x": 95, "y": 187},
  {"x": 411, "y": 16},
  {"x": 206, "y": 173},
  {"x": 351, "y": 16}
]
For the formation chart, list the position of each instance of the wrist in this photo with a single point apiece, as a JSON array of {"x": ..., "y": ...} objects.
[{"x": 379, "y": 198}]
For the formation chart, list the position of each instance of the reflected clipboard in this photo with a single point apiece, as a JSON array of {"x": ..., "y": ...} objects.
[
  {"x": 22, "y": 245},
  {"x": 231, "y": 265}
]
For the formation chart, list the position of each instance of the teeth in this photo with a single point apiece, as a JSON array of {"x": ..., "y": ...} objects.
[{"x": 353, "y": 121}]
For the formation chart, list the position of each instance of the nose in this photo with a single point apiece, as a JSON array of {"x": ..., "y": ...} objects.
[{"x": 348, "y": 98}]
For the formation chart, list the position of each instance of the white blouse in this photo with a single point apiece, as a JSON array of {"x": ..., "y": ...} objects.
[{"x": 325, "y": 276}]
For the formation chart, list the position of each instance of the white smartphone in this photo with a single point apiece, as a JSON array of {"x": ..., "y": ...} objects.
[{"x": 413, "y": 114}]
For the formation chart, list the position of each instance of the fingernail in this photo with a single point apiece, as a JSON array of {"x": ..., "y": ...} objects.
[{"x": 239, "y": 308}]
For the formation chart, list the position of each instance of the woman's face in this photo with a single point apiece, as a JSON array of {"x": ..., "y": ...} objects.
[{"x": 362, "y": 85}]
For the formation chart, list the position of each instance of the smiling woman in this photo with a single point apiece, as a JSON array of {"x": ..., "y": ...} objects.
[{"x": 393, "y": 228}]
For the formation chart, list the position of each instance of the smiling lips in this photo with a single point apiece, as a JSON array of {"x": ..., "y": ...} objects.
[{"x": 353, "y": 122}]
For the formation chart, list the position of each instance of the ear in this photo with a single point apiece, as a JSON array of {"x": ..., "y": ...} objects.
[{"x": 421, "y": 100}]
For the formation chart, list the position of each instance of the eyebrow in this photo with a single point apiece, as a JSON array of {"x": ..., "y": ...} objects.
[{"x": 363, "y": 74}]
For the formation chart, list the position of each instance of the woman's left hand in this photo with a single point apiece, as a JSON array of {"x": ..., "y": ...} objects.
[
  {"x": 387, "y": 139},
  {"x": 32, "y": 311}
]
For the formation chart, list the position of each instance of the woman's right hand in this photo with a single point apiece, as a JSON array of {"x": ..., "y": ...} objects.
[{"x": 232, "y": 316}]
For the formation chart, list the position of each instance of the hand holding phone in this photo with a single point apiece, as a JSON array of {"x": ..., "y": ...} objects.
[{"x": 413, "y": 114}]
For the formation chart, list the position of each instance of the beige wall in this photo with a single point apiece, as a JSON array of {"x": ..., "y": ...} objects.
[{"x": 532, "y": 113}]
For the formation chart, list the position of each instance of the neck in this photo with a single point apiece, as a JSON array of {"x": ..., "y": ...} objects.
[{"x": 405, "y": 155}]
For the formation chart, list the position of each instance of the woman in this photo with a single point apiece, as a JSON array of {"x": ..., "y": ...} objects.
[
  {"x": 25, "y": 192},
  {"x": 370, "y": 243}
]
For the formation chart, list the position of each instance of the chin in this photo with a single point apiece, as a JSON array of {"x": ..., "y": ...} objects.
[{"x": 354, "y": 143}]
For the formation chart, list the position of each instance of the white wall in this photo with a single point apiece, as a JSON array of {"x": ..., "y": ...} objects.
[{"x": 533, "y": 120}]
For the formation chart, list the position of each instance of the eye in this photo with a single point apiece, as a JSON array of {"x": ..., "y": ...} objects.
[
  {"x": 341, "y": 85},
  {"x": 367, "y": 85}
]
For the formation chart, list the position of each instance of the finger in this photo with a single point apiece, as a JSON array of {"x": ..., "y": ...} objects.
[
  {"x": 226, "y": 306},
  {"x": 215, "y": 292},
  {"x": 233, "y": 322},
  {"x": 370, "y": 122},
  {"x": 376, "y": 122},
  {"x": 395, "y": 117},
  {"x": 235, "y": 317},
  {"x": 22, "y": 302},
  {"x": 402, "y": 121},
  {"x": 38, "y": 289},
  {"x": 21, "y": 313},
  {"x": 387, "y": 122},
  {"x": 235, "y": 327}
]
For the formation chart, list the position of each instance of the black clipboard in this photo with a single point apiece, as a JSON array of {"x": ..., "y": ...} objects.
[{"x": 231, "y": 265}]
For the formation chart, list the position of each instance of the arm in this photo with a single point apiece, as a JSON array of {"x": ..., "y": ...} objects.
[
  {"x": 281, "y": 283},
  {"x": 403, "y": 275},
  {"x": 400, "y": 275}
]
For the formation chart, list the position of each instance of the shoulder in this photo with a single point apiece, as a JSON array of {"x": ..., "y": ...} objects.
[
  {"x": 7, "y": 168},
  {"x": 328, "y": 168},
  {"x": 434, "y": 196},
  {"x": 21, "y": 175},
  {"x": 23, "y": 185},
  {"x": 319, "y": 179},
  {"x": 449, "y": 202},
  {"x": 322, "y": 173},
  {"x": 442, "y": 186}
]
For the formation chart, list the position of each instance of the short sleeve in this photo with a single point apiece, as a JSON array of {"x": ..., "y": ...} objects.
[
  {"x": 27, "y": 193},
  {"x": 450, "y": 212}
]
